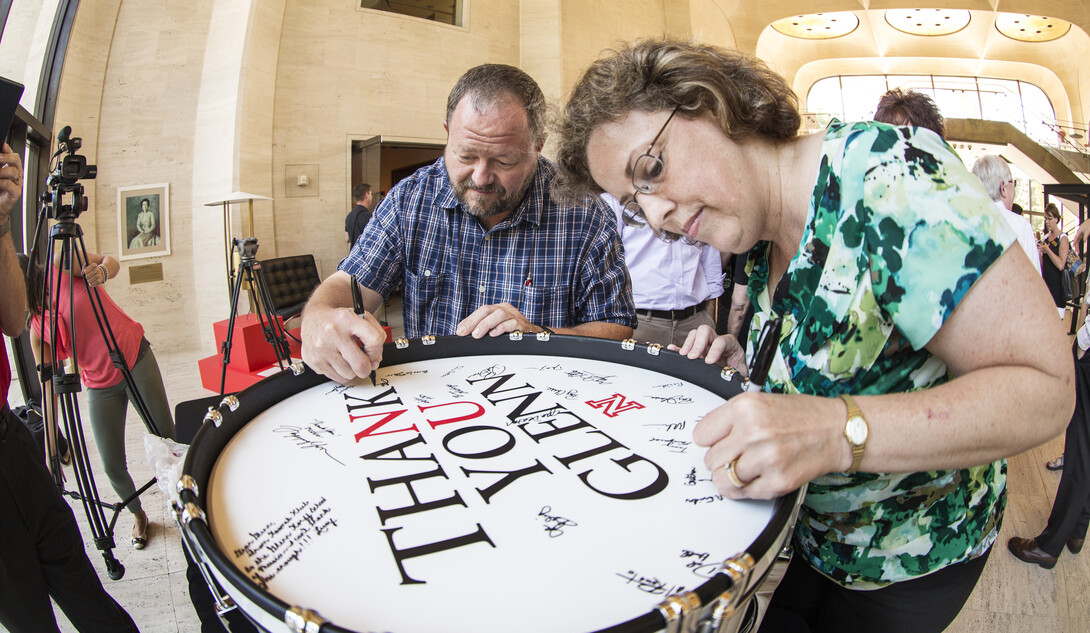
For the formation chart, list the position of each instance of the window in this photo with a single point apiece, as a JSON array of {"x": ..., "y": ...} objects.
[
  {"x": 1023, "y": 105},
  {"x": 445, "y": 11}
]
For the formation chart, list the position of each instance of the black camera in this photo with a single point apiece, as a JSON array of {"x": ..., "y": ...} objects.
[
  {"x": 66, "y": 199},
  {"x": 74, "y": 167},
  {"x": 246, "y": 247}
]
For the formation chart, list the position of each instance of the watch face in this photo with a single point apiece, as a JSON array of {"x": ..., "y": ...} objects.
[{"x": 856, "y": 430}]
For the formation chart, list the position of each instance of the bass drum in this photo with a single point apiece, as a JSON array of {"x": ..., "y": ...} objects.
[{"x": 531, "y": 483}]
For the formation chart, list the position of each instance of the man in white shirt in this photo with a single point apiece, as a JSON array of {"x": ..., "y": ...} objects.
[
  {"x": 674, "y": 283},
  {"x": 996, "y": 176}
]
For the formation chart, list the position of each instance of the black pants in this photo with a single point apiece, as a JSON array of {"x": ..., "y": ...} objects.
[
  {"x": 1071, "y": 509},
  {"x": 806, "y": 601},
  {"x": 41, "y": 550}
]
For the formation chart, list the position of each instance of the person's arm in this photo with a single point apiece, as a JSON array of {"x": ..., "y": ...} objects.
[
  {"x": 1058, "y": 259},
  {"x": 1011, "y": 391},
  {"x": 99, "y": 269},
  {"x": 12, "y": 286},
  {"x": 332, "y": 333},
  {"x": 739, "y": 303}
]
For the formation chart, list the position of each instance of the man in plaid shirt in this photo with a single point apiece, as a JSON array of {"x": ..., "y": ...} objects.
[{"x": 477, "y": 242}]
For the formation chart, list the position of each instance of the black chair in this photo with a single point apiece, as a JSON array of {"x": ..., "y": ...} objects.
[{"x": 290, "y": 281}]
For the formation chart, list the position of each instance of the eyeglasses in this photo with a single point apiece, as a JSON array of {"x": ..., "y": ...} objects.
[{"x": 646, "y": 175}]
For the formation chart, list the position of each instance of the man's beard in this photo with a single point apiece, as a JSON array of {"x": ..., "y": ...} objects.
[{"x": 502, "y": 204}]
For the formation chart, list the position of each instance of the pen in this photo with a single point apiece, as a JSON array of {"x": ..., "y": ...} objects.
[
  {"x": 762, "y": 358},
  {"x": 357, "y": 306}
]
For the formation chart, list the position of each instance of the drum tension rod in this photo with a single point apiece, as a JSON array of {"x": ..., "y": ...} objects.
[{"x": 682, "y": 612}]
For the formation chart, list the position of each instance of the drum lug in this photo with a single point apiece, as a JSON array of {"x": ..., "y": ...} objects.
[
  {"x": 738, "y": 569},
  {"x": 653, "y": 349},
  {"x": 187, "y": 482},
  {"x": 427, "y": 339},
  {"x": 543, "y": 335},
  {"x": 628, "y": 344},
  {"x": 190, "y": 512},
  {"x": 300, "y": 620},
  {"x": 401, "y": 343},
  {"x": 214, "y": 416},
  {"x": 682, "y": 612},
  {"x": 297, "y": 368},
  {"x": 231, "y": 402},
  {"x": 515, "y": 336}
]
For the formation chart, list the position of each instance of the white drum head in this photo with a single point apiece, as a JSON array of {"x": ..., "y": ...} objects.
[{"x": 482, "y": 494}]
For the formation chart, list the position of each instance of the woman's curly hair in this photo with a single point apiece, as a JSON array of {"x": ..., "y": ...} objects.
[{"x": 739, "y": 90}]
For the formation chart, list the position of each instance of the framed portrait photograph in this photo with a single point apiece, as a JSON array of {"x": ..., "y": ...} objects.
[{"x": 143, "y": 221}]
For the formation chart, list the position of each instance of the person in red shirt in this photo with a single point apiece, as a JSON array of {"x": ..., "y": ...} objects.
[{"x": 108, "y": 394}]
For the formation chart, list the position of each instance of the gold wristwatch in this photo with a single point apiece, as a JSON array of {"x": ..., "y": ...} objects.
[{"x": 855, "y": 431}]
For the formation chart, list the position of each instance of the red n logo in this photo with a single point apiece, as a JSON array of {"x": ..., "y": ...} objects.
[{"x": 614, "y": 404}]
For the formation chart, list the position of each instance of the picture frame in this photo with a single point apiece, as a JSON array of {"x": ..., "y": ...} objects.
[{"x": 143, "y": 221}]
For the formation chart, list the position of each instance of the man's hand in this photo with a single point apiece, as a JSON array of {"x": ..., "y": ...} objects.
[
  {"x": 703, "y": 342},
  {"x": 494, "y": 320},
  {"x": 11, "y": 182},
  {"x": 333, "y": 333}
]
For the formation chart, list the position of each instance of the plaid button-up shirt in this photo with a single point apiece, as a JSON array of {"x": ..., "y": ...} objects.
[{"x": 558, "y": 265}]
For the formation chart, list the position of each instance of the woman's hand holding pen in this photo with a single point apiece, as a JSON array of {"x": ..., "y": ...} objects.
[{"x": 772, "y": 443}]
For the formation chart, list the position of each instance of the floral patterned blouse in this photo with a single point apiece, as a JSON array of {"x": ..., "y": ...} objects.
[{"x": 898, "y": 231}]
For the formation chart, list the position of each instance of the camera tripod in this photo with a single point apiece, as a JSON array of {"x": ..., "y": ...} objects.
[
  {"x": 65, "y": 385},
  {"x": 249, "y": 270}
]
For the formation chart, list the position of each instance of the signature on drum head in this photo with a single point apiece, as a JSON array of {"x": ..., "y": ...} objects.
[{"x": 554, "y": 525}]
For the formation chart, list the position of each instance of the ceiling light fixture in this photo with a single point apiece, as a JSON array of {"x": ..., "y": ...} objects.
[
  {"x": 928, "y": 22},
  {"x": 818, "y": 26}
]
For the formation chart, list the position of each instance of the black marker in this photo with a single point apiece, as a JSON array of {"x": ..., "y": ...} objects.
[
  {"x": 357, "y": 306},
  {"x": 762, "y": 358}
]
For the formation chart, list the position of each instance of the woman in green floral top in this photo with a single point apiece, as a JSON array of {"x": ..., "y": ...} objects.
[{"x": 885, "y": 260}]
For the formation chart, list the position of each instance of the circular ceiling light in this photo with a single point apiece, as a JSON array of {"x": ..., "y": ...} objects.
[
  {"x": 1031, "y": 28},
  {"x": 928, "y": 22},
  {"x": 818, "y": 26}
]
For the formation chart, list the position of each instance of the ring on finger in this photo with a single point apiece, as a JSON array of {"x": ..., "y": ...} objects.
[{"x": 738, "y": 483}]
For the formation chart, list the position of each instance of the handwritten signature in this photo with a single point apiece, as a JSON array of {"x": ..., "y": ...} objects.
[
  {"x": 672, "y": 399},
  {"x": 453, "y": 370},
  {"x": 303, "y": 437},
  {"x": 668, "y": 385},
  {"x": 675, "y": 446},
  {"x": 670, "y": 426},
  {"x": 489, "y": 372},
  {"x": 554, "y": 525},
  {"x": 651, "y": 585},
  {"x": 568, "y": 394}
]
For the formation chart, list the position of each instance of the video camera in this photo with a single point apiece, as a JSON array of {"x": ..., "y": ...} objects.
[{"x": 65, "y": 196}]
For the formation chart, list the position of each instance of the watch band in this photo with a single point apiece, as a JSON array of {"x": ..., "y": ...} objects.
[{"x": 857, "y": 449}]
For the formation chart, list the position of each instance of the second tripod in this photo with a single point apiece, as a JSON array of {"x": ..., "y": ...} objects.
[{"x": 249, "y": 271}]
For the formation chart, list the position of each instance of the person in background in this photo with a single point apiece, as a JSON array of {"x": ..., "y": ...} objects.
[
  {"x": 480, "y": 243},
  {"x": 995, "y": 175},
  {"x": 41, "y": 550},
  {"x": 108, "y": 394},
  {"x": 1053, "y": 249},
  {"x": 902, "y": 375},
  {"x": 908, "y": 107},
  {"x": 1070, "y": 516},
  {"x": 674, "y": 283},
  {"x": 360, "y": 215}
]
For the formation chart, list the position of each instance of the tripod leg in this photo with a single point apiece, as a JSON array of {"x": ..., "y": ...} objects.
[
  {"x": 226, "y": 351},
  {"x": 274, "y": 329}
]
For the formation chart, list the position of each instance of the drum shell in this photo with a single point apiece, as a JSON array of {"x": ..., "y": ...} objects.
[{"x": 268, "y": 610}]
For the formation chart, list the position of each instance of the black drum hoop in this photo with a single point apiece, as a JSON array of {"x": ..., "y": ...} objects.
[{"x": 212, "y": 440}]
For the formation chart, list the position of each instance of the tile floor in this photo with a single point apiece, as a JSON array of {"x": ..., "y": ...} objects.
[{"x": 1011, "y": 596}]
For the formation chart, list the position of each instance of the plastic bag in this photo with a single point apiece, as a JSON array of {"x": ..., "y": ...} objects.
[{"x": 166, "y": 458}]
